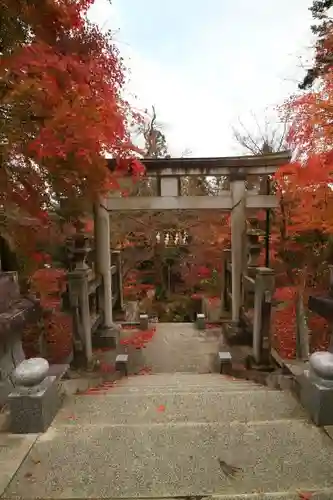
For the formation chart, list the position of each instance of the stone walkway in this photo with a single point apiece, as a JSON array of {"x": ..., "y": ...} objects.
[
  {"x": 172, "y": 434},
  {"x": 175, "y": 347},
  {"x": 179, "y": 347}
]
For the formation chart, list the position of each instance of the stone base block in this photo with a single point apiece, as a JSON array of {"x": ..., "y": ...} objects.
[
  {"x": 144, "y": 322},
  {"x": 278, "y": 380},
  {"x": 32, "y": 410},
  {"x": 225, "y": 362},
  {"x": 107, "y": 337},
  {"x": 252, "y": 364},
  {"x": 122, "y": 364},
  {"x": 316, "y": 399},
  {"x": 232, "y": 332},
  {"x": 201, "y": 322},
  {"x": 58, "y": 371}
]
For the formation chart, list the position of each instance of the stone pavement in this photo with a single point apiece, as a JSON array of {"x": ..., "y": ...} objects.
[
  {"x": 173, "y": 435},
  {"x": 179, "y": 347}
]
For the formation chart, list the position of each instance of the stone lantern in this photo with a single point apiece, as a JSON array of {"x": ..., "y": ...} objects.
[{"x": 253, "y": 242}]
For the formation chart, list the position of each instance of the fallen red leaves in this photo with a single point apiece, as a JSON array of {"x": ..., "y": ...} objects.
[
  {"x": 106, "y": 367},
  {"x": 139, "y": 339},
  {"x": 145, "y": 371},
  {"x": 305, "y": 495},
  {"x": 211, "y": 326},
  {"x": 284, "y": 322},
  {"x": 284, "y": 325},
  {"x": 99, "y": 350},
  {"x": 129, "y": 327},
  {"x": 99, "y": 390}
]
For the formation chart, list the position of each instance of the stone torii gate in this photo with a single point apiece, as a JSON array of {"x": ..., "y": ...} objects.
[{"x": 168, "y": 172}]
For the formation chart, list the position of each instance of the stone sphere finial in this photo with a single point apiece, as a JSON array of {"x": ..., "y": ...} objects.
[
  {"x": 321, "y": 364},
  {"x": 31, "y": 372}
]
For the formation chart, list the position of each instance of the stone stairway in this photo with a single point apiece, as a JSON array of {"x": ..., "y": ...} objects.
[{"x": 177, "y": 435}]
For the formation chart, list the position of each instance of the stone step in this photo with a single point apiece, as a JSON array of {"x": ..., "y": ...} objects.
[
  {"x": 134, "y": 409},
  {"x": 322, "y": 494},
  {"x": 124, "y": 389},
  {"x": 100, "y": 460},
  {"x": 326, "y": 494},
  {"x": 165, "y": 380}
]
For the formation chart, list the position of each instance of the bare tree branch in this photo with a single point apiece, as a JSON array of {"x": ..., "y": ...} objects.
[{"x": 271, "y": 134}]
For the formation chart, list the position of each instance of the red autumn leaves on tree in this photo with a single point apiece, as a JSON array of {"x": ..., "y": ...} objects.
[
  {"x": 62, "y": 107},
  {"x": 311, "y": 137},
  {"x": 304, "y": 221},
  {"x": 305, "y": 185},
  {"x": 62, "y": 110}
]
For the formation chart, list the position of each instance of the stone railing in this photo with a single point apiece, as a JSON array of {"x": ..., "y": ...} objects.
[{"x": 85, "y": 296}]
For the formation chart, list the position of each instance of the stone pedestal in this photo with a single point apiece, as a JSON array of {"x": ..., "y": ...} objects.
[
  {"x": 316, "y": 399},
  {"x": 33, "y": 412},
  {"x": 122, "y": 364},
  {"x": 316, "y": 388},
  {"x": 201, "y": 322},
  {"x": 225, "y": 362},
  {"x": 36, "y": 398},
  {"x": 144, "y": 322},
  {"x": 107, "y": 337}
]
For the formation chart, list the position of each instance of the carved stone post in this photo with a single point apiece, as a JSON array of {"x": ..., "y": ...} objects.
[
  {"x": 264, "y": 289},
  {"x": 238, "y": 228}
]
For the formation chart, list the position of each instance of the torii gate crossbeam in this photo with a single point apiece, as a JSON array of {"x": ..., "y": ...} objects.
[{"x": 168, "y": 172}]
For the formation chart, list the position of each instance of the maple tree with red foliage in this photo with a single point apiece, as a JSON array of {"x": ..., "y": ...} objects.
[
  {"x": 62, "y": 111},
  {"x": 304, "y": 221},
  {"x": 62, "y": 105}
]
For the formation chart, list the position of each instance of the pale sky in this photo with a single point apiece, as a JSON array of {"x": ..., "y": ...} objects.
[{"x": 205, "y": 63}]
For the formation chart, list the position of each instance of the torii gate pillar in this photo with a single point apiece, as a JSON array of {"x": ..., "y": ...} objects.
[
  {"x": 103, "y": 266},
  {"x": 238, "y": 230}
]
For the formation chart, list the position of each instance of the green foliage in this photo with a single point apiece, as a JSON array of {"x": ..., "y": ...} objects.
[{"x": 323, "y": 25}]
